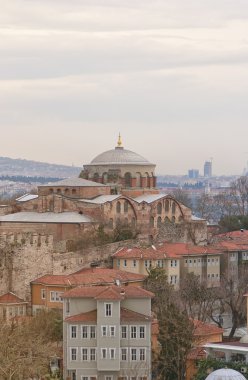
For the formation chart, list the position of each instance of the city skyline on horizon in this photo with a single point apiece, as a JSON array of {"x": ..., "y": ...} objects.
[{"x": 171, "y": 77}]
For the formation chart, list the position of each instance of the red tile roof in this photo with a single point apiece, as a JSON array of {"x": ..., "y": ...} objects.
[
  {"x": 108, "y": 292},
  {"x": 90, "y": 316},
  {"x": 166, "y": 250},
  {"x": 90, "y": 276},
  {"x": 10, "y": 298},
  {"x": 126, "y": 315},
  {"x": 203, "y": 328}
]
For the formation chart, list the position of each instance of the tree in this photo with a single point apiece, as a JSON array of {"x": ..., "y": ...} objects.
[
  {"x": 231, "y": 296},
  {"x": 182, "y": 196},
  {"x": 239, "y": 192},
  {"x": 205, "y": 207},
  {"x": 175, "y": 329},
  {"x": 234, "y": 222},
  {"x": 26, "y": 347},
  {"x": 198, "y": 301}
]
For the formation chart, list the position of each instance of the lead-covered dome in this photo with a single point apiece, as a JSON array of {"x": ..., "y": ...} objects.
[
  {"x": 225, "y": 374},
  {"x": 120, "y": 156}
]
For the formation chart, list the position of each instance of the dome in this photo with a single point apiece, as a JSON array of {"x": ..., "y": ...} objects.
[
  {"x": 120, "y": 156},
  {"x": 225, "y": 374}
]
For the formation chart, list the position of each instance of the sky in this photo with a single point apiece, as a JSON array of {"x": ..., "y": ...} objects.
[{"x": 170, "y": 75}]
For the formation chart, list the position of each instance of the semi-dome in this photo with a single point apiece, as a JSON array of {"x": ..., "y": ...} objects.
[
  {"x": 120, "y": 156},
  {"x": 225, "y": 374}
]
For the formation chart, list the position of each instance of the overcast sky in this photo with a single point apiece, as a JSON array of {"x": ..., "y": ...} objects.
[{"x": 170, "y": 75}]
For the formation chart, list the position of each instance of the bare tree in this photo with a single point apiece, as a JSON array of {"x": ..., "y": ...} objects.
[{"x": 239, "y": 192}]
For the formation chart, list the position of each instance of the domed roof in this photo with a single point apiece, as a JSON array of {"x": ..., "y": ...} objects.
[
  {"x": 120, "y": 156},
  {"x": 225, "y": 374}
]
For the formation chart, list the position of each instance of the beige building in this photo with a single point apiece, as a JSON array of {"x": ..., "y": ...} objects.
[
  {"x": 176, "y": 259},
  {"x": 12, "y": 307},
  {"x": 107, "y": 333}
]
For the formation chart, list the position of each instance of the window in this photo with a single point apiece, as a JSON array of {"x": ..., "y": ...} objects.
[
  {"x": 126, "y": 206},
  {"x": 84, "y": 332},
  {"x": 173, "y": 263},
  {"x": 146, "y": 263},
  {"x": 104, "y": 330},
  {"x": 43, "y": 294},
  {"x": 55, "y": 296},
  {"x": 73, "y": 354},
  {"x": 112, "y": 353},
  {"x": 133, "y": 354},
  {"x": 123, "y": 332},
  {"x": 108, "y": 377},
  {"x": 142, "y": 332},
  {"x": 108, "y": 309},
  {"x": 67, "y": 306},
  {"x": 104, "y": 353},
  {"x": 159, "y": 208},
  {"x": 124, "y": 354},
  {"x": 118, "y": 207},
  {"x": 84, "y": 354},
  {"x": 134, "y": 263},
  {"x": 160, "y": 263},
  {"x": 173, "y": 279},
  {"x": 111, "y": 331},
  {"x": 125, "y": 263},
  {"x": 92, "y": 354},
  {"x": 118, "y": 262},
  {"x": 142, "y": 354},
  {"x": 92, "y": 332},
  {"x": 133, "y": 332},
  {"x": 73, "y": 332}
]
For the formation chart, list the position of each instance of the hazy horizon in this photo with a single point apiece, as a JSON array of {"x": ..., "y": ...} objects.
[{"x": 171, "y": 76}]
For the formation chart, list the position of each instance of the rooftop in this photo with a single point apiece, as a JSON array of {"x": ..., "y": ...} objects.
[
  {"x": 46, "y": 217},
  {"x": 73, "y": 182},
  {"x": 10, "y": 298},
  {"x": 108, "y": 292}
]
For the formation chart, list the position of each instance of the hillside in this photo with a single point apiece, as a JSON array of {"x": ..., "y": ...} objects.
[{"x": 16, "y": 167}]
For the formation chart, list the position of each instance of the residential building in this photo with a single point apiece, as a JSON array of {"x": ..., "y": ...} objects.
[
  {"x": 11, "y": 306},
  {"x": 177, "y": 259},
  {"x": 47, "y": 291},
  {"x": 107, "y": 333}
]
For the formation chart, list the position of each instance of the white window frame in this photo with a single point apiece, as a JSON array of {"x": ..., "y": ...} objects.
[
  {"x": 124, "y": 353},
  {"x": 84, "y": 328},
  {"x": 82, "y": 354},
  {"x": 104, "y": 327},
  {"x": 143, "y": 332},
  {"x": 108, "y": 308},
  {"x": 107, "y": 377},
  {"x": 143, "y": 351},
  {"x": 112, "y": 350},
  {"x": 131, "y": 354},
  {"x": 134, "y": 263},
  {"x": 92, "y": 329},
  {"x": 102, "y": 351},
  {"x": 92, "y": 355},
  {"x": 110, "y": 331},
  {"x": 126, "y": 332},
  {"x": 76, "y": 331},
  {"x": 76, "y": 353},
  {"x": 134, "y": 332},
  {"x": 43, "y": 293}
]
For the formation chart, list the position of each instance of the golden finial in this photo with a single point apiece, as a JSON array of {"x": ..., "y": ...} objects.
[{"x": 119, "y": 143}]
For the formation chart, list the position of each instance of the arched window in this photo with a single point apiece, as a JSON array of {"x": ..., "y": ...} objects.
[
  {"x": 126, "y": 206},
  {"x": 173, "y": 208},
  {"x": 151, "y": 221},
  {"x": 167, "y": 205},
  {"x": 138, "y": 180},
  {"x": 127, "y": 178},
  {"x": 166, "y": 220},
  {"x": 105, "y": 178},
  {"x": 111, "y": 223},
  {"x": 96, "y": 177},
  {"x": 159, "y": 221},
  {"x": 51, "y": 191},
  {"x": 118, "y": 207},
  {"x": 66, "y": 191},
  {"x": 159, "y": 208},
  {"x": 58, "y": 191},
  {"x": 133, "y": 222},
  {"x": 173, "y": 219},
  {"x": 74, "y": 191}
]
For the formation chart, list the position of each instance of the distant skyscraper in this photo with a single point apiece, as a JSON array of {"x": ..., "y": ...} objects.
[
  {"x": 193, "y": 173},
  {"x": 208, "y": 169}
]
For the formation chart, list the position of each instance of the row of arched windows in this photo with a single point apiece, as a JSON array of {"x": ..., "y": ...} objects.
[
  {"x": 166, "y": 207},
  {"x": 141, "y": 181},
  {"x": 63, "y": 191},
  {"x": 160, "y": 221},
  {"x": 124, "y": 222}
]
